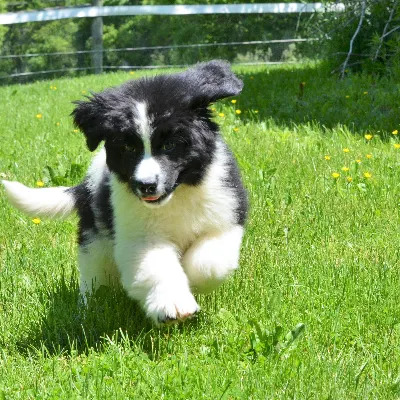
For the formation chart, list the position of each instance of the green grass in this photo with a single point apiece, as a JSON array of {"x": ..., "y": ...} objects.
[{"x": 318, "y": 251}]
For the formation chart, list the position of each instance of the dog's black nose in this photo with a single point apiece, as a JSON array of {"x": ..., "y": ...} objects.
[{"x": 147, "y": 188}]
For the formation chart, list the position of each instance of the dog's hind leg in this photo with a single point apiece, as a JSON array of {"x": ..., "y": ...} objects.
[
  {"x": 96, "y": 265},
  {"x": 212, "y": 258}
]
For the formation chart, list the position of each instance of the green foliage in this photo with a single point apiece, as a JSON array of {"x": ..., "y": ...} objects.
[{"x": 371, "y": 52}]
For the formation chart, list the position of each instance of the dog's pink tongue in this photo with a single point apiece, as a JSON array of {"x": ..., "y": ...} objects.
[{"x": 153, "y": 198}]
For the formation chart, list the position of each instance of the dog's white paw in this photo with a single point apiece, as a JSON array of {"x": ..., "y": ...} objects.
[{"x": 170, "y": 304}]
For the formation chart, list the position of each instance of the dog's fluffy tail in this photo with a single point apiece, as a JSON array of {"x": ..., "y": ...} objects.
[{"x": 57, "y": 202}]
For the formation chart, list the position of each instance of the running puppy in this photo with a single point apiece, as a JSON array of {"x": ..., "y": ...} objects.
[{"x": 162, "y": 206}]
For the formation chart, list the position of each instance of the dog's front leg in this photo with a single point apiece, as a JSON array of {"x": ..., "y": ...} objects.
[
  {"x": 152, "y": 274},
  {"x": 212, "y": 258}
]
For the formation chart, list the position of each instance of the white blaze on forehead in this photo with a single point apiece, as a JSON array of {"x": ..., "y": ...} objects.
[
  {"x": 143, "y": 123},
  {"x": 148, "y": 170}
]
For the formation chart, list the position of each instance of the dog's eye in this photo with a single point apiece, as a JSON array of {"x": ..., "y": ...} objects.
[
  {"x": 168, "y": 146},
  {"x": 130, "y": 148}
]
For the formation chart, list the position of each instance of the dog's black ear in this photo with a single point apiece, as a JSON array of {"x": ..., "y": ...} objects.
[
  {"x": 88, "y": 117},
  {"x": 213, "y": 80}
]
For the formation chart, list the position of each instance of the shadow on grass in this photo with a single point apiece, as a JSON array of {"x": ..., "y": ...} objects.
[
  {"x": 292, "y": 95},
  {"x": 70, "y": 327}
]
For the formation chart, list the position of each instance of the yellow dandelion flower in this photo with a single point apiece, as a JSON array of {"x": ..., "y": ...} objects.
[
  {"x": 236, "y": 129},
  {"x": 57, "y": 123},
  {"x": 213, "y": 109},
  {"x": 39, "y": 183},
  {"x": 238, "y": 112},
  {"x": 346, "y": 150},
  {"x": 233, "y": 101},
  {"x": 76, "y": 130},
  {"x": 365, "y": 92},
  {"x": 349, "y": 179},
  {"x": 131, "y": 72},
  {"x": 368, "y": 156},
  {"x": 335, "y": 175},
  {"x": 395, "y": 132},
  {"x": 347, "y": 97},
  {"x": 54, "y": 87},
  {"x": 84, "y": 91},
  {"x": 358, "y": 161},
  {"x": 368, "y": 136},
  {"x": 345, "y": 169},
  {"x": 36, "y": 221},
  {"x": 367, "y": 175},
  {"x": 327, "y": 158},
  {"x": 38, "y": 116},
  {"x": 221, "y": 115},
  {"x": 396, "y": 145}
]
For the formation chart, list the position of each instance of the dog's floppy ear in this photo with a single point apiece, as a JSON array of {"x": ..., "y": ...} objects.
[
  {"x": 88, "y": 117},
  {"x": 213, "y": 80}
]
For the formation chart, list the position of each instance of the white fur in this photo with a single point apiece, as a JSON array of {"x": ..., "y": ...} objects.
[
  {"x": 148, "y": 170},
  {"x": 40, "y": 202},
  {"x": 96, "y": 264},
  {"x": 96, "y": 171},
  {"x": 143, "y": 123},
  {"x": 212, "y": 258}
]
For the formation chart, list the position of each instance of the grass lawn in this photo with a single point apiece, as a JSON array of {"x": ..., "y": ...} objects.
[{"x": 314, "y": 310}]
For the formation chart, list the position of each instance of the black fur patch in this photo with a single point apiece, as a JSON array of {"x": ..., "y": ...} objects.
[{"x": 95, "y": 213}]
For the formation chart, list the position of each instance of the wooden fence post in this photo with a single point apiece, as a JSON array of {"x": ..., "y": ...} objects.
[{"x": 97, "y": 40}]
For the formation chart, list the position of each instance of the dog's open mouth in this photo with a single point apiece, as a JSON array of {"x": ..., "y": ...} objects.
[
  {"x": 154, "y": 199},
  {"x": 150, "y": 199}
]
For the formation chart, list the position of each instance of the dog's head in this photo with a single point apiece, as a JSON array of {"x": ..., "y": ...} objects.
[{"x": 157, "y": 131}]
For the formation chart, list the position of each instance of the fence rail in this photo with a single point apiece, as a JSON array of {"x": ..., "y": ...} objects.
[{"x": 108, "y": 11}]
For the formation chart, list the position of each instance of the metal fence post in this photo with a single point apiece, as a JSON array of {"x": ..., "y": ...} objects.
[{"x": 97, "y": 40}]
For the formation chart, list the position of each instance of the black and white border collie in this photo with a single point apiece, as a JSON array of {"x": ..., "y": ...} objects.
[{"x": 162, "y": 207}]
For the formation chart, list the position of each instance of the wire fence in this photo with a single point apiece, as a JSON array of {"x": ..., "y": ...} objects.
[
  {"x": 278, "y": 51},
  {"x": 54, "y": 48}
]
